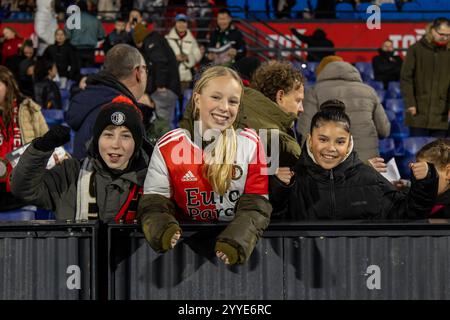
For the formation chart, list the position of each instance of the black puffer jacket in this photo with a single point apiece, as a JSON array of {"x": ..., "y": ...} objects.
[{"x": 352, "y": 190}]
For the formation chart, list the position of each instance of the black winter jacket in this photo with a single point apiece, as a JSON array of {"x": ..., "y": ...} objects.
[
  {"x": 163, "y": 65},
  {"x": 66, "y": 59},
  {"x": 352, "y": 190}
]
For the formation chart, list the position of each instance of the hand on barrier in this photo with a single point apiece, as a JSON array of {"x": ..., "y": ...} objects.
[
  {"x": 222, "y": 256},
  {"x": 285, "y": 174},
  {"x": 175, "y": 238},
  {"x": 412, "y": 111},
  {"x": 419, "y": 169},
  {"x": 378, "y": 164},
  {"x": 57, "y": 136}
]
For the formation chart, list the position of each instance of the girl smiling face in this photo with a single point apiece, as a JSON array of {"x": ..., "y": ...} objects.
[
  {"x": 218, "y": 103},
  {"x": 329, "y": 143}
]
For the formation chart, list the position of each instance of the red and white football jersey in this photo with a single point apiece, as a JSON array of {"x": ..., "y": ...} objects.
[{"x": 175, "y": 172}]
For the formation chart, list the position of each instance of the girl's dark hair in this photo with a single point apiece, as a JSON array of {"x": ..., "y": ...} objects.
[
  {"x": 42, "y": 67},
  {"x": 331, "y": 111}
]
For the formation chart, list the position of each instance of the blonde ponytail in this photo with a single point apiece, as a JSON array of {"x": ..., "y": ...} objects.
[{"x": 218, "y": 167}]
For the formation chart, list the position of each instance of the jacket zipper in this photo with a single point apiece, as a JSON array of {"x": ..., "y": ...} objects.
[{"x": 332, "y": 195}]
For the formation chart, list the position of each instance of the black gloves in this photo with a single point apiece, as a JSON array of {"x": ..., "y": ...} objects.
[{"x": 57, "y": 136}]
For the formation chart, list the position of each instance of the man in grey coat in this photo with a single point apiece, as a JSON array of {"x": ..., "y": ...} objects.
[{"x": 342, "y": 81}]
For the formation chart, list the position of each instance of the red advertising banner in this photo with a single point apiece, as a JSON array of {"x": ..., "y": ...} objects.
[
  {"x": 343, "y": 34},
  {"x": 347, "y": 35}
]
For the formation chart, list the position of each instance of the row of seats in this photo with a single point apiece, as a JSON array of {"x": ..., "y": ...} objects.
[{"x": 417, "y": 10}]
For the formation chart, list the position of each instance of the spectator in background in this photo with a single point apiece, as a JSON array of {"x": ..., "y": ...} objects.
[
  {"x": 21, "y": 121},
  {"x": 200, "y": 11},
  {"x": 65, "y": 56},
  {"x": 12, "y": 42},
  {"x": 317, "y": 40},
  {"x": 153, "y": 10},
  {"x": 46, "y": 91},
  {"x": 185, "y": 48},
  {"x": 325, "y": 9},
  {"x": 425, "y": 81},
  {"x": 26, "y": 68},
  {"x": 226, "y": 34},
  {"x": 108, "y": 9},
  {"x": 342, "y": 81},
  {"x": 134, "y": 18},
  {"x": 164, "y": 80},
  {"x": 386, "y": 66},
  {"x": 45, "y": 24},
  {"x": 124, "y": 73},
  {"x": 118, "y": 35},
  {"x": 283, "y": 8},
  {"x": 86, "y": 38}
]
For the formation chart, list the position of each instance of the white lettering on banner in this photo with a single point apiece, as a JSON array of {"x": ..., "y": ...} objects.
[
  {"x": 404, "y": 41},
  {"x": 374, "y": 279},
  {"x": 74, "y": 280},
  {"x": 74, "y": 19},
  {"x": 374, "y": 20},
  {"x": 288, "y": 42}
]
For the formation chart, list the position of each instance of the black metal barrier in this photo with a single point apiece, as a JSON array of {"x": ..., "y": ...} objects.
[
  {"x": 48, "y": 260},
  {"x": 293, "y": 260},
  {"x": 324, "y": 260}
]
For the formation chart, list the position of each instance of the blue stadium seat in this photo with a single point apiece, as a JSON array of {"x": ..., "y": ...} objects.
[
  {"x": 389, "y": 11},
  {"x": 386, "y": 148},
  {"x": 411, "y": 6},
  {"x": 258, "y": 9},
  {"x": 365, "y": 69},
  {"x": 390, "y": 115},
  {"x": 17, "y": 215},
  {"x": 344, "y": 10},
  {"x": 53, "y": 116},
  {"x": 42, "y": 214},
  {"x": 381, "y": 94},
  {"x": 377, "y": 85},
  {"x": 311, "y": 66},
  {"x": 236, "y": 12},
  {"x": 411, "y": 146},
  {"x": 394, "y": 91},
  {"x": 361, "y": 11},
  {"x": 300, "y": 5},
  {"x": 398, "y": 107},
  {"x": 432, "y": 9},
  {"x": 88, "y": 71}
]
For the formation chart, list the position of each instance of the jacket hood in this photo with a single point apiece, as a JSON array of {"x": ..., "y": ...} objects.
[
  {"x": 264, "y": 108},
  {"x": 427, "y": 39},
  {"x": 90, "y": 99},
  {"x": 339, "y": 70},
  {"x": 106, "y": 79},
  {"x": 174, "y": 35}
]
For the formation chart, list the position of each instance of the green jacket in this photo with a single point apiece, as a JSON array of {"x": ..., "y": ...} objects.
[
  {"x": 259, "y": 112},
  {"x": 425, "y": 84}
]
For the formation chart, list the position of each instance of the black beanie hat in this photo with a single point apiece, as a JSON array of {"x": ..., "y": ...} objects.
[{"x": 120, "y": 112}]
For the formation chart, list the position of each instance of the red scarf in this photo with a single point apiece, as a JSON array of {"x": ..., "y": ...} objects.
[{"x": 10, "y": 140}]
